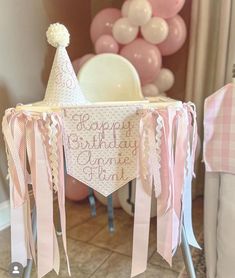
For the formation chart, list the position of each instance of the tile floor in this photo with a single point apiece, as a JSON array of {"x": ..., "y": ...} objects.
[{"x": 96, "y": 253}]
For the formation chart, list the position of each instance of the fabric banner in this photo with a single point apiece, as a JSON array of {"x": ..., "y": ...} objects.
[
  {"x": 219, "y": 125},
  {"x": 101, "y": 145}
]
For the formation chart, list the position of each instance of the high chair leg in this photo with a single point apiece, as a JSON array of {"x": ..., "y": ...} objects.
[
  {"x": 28, "y": 269},
  {"x": 188, "y": 261},
  {"x": 110, "y": 213},
  {"x": 92, "y": 201}
]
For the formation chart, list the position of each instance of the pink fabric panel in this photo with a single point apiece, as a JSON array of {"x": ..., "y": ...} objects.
[{"x": 219, "y": 131}]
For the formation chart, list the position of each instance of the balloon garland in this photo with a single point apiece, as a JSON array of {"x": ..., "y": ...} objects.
[{"x": 142, "y": 31}]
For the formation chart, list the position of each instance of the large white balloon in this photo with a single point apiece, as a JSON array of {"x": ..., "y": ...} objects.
[
  {"x": 126, "y": 196},
  {"x": 140, "y": 12},
  {"x": 163, "y": 94},
  {"x": 165, "y": 80},
  {"x": 155, "y": 31},
  {"x": 150, "y": 90},
  {"x": 124, "y": 32},
  {"x": 104, "y": 200},
  {"x": 125, "y": 8}
]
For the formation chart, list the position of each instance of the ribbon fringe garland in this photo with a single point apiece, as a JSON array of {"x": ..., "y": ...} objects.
[
  {"x": 166, "y": 154},
  {"x": 168, "y": 140},
  {"x": 36, "y": 138}
]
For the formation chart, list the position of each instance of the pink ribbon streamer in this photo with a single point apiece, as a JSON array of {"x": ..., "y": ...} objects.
[
  {"x": 22, "y": 246},
  {"x": 166, "y": 216},
  {"x": 143, "y": 197},
  {"x": 61, "y": 189},
  {"x": 187, "y": 197},
  {"x": 173, "y": 160},
  {"x": 181, "y": 148},
  {"x": 24, "y": 131}
]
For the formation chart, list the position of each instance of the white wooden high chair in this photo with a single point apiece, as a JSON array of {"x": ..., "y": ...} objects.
[
  {"x": 109, "y": 77},
  {"x": 112, "y": 78}
]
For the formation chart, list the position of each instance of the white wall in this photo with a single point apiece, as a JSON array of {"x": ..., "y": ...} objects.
[
  {"x": 22, "y": 56},
  {"x": 25, "y": 57}
]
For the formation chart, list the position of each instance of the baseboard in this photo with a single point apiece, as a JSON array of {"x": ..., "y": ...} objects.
[
  {"x": 5, "y": 211},
  {"x": 4, "y": 215}
]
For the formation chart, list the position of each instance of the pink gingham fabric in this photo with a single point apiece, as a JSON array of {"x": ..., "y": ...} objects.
[{"x": 219, "y": 130}]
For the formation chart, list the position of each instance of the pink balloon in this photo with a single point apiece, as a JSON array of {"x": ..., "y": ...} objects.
[
  {"x": 78, "y": 63},
  {"x": 176, "y": 36},
  {"x": 145, "y": 57},
  {"x": 75, "y": 190},
  {"x": 166, "y": 8},
  {"x": 106, "y": 44},
  {"x": 102, "y": 23},
  {"x": 75, "y": 65}
]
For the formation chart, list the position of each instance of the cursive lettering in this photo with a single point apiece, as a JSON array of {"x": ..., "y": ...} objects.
[{"x": 84, "y": 123}]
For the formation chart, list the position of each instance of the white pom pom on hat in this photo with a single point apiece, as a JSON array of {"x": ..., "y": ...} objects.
[
  {"x": 58, "y": 35},
  {"x": 62, "y": 89}
]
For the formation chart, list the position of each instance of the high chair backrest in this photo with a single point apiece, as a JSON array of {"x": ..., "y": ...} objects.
[{"x": 109, "y": 77}]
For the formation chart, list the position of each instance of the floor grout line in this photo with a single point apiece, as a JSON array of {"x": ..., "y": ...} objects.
[
  {"x": 86, "y": 241},
  {"x": 103, "y": 248},
  {"x": 3, "y": 269},
  {"x": 150, "y": 257},
  {"x": 87, "y": 220},
  {"x": 105, "y": 260},
  {"x": 83, "y": 222},
  {"x": 164, "y": 267},
  {"x": 106, "y": 248},
  {"x": 181, "y": 272},
  {"x": 111, "y": 251}
]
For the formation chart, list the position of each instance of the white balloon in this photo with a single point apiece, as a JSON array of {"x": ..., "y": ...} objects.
[
  {"x": 104, "y": 200},
  {"x": 156, "y": 30},
  {"x": 165, "y": 80},
  {"x": 125, "y": 8},
  {"x": 124, "y": 32},
  {"x": 140, "y": 12},
  {"x": 150, "y": 90},
  {"x": 163, "y": 94},
  {"x": 128, "y": 191}
]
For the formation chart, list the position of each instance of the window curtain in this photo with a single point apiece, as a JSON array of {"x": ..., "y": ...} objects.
[{"x": 211, "y": 55}]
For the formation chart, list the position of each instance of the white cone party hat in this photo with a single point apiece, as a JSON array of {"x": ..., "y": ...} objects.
[{"x": 62, "y": 88}]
